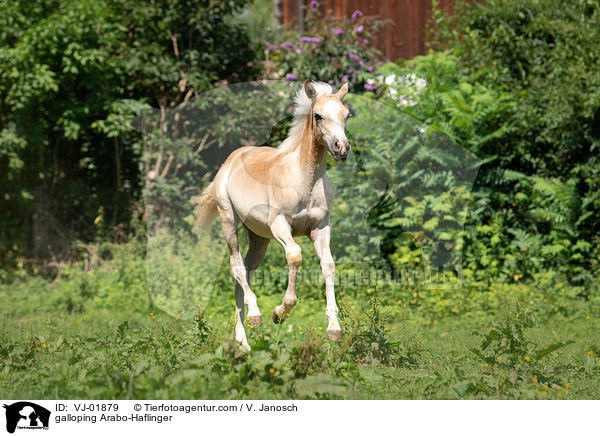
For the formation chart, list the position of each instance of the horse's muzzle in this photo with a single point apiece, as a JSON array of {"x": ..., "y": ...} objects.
[{"x": 340, "y": 151}]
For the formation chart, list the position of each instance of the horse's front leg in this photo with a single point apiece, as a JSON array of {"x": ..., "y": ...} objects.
[
  {"x": 320, "y": 238},
  {"x": 283, "y": 234}
]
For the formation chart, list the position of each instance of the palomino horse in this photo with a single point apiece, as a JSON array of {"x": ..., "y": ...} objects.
[{"x": 279, "y": 193}]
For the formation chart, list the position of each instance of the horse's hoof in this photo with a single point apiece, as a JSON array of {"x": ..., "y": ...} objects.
[
  {"x": 256, "y": 321},
  {"x": 241, "y": 350},
  {"x": 276, "y": 318},
  {"x": 334, "y": 335}
]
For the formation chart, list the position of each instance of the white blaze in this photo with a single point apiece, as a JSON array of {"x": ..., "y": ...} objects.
[{"x": 332, "y": 110}]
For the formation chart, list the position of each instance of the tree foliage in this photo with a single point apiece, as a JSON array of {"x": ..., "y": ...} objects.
[
  {"x": 66, "y": 174},
  {"x": 547, "y": 55}
]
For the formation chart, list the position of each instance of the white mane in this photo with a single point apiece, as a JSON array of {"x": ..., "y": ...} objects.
[{"x": 301, "y": 111}]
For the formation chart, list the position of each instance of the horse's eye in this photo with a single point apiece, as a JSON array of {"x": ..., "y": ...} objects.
[{"x": 318, "y": 117}]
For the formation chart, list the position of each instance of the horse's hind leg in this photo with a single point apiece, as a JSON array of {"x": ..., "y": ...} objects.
[
  {"x": 282, "y": 233},
  {"x": 257, "y": 248},
  {"x": 243, "y": 294}
]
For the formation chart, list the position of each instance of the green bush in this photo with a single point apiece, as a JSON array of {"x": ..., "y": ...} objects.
[
  {"x": 510, "y": 357},
  {"x": 547, "y": 55},
  {"x": 518, "y": 225},
  {"x": 66, "y": 174},
  {"x": 332, "y": 49}
]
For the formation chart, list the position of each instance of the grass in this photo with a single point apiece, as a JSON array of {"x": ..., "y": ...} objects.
[
  {"x": 97, "y": 335},
  {"x": 151, "y": 355}
]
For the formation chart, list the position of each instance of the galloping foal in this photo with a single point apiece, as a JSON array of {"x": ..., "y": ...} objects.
[{"x": 279, "y": 193}]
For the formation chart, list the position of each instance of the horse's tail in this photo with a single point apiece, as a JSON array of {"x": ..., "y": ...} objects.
[{"x": 206, "y": 208}]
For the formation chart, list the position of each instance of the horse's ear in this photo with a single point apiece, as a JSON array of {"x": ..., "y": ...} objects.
[
  {"x": 310, "y": 90},
  {"x": 343, "y": 91}
]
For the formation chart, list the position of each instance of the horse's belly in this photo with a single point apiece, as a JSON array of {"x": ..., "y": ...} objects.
[
  {"x": 256, "y": 219},
  {"x": 253, "y": 214}
]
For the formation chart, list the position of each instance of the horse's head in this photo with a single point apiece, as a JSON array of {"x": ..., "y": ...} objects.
[{"x": 330, "y": 117}]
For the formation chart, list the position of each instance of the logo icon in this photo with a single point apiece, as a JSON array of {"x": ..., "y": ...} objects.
[{"x": 26, "y": 415}]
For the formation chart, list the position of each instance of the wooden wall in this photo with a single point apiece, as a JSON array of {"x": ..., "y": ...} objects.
[{"x": 404, "y": 37}]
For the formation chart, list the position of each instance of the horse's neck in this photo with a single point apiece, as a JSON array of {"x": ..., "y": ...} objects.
[{"x": 312, "y": 158}]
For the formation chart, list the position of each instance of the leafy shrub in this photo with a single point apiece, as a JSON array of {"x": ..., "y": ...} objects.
[
  {"x": 308, "y": 356},
  {"x": 333, "y": 50},
  {"x": 64, "y": 65},
  {"x": 546, "y": 54},
  {"x": 369, "y": 340},
  {"x": 518, "y": 224},
  {"x": 436, "y": 90},
  {"x": 513, "y": 359}
]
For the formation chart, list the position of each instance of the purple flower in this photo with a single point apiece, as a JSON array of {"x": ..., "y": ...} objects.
[
  {"x": 360, "y": 28},
  {"x": 267, "y": 51},
  {"x": 292, "y": 46},
  {"x": 370, "y": 69},
  {"x": 310, "y": 39},
  {"x": 338, "y": 31},
  {"x": 353, "y": 56},
  {"x": 291, "y": 77},
  {"x": 345, "y": 78},
  {"x": 369, "y": 87},
  {"x": 314, "y": 4},
  {"x": 357, "y": 13}
]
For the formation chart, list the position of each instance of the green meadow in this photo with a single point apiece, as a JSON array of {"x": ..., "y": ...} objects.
[{"x": 96, "y": 334}]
